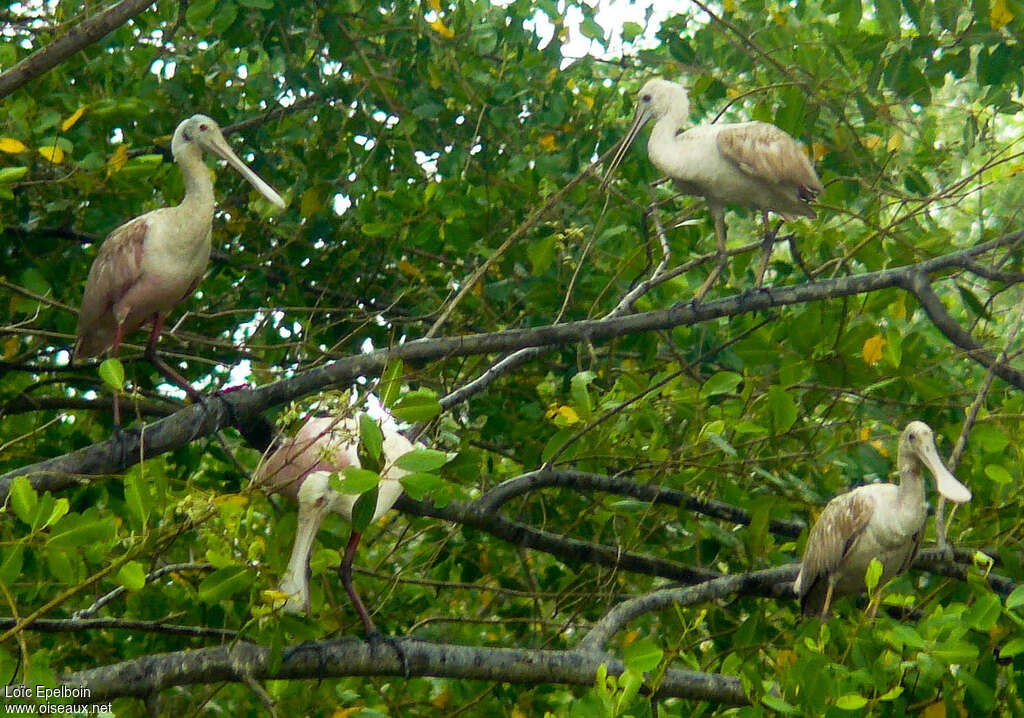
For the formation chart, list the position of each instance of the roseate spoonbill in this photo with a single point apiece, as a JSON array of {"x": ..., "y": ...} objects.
[
  {"x": 883, "y": 521},
  {"x": 300, "y": 467},
  {"x": 150, "y": 263},
  {"x": 752, "y": 164}
]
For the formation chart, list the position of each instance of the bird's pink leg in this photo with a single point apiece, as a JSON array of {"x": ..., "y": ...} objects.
[
  {"x": 345, "y": 571},
  {"x": 766, "y": 247},
  {"x": 163, "y": 367},
  {"x": 718, "y": 215},
  {"x": 115, "y": 348}
]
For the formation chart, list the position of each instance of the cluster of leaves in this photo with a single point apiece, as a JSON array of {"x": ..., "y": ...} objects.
[{"x": 412, "y": 140}]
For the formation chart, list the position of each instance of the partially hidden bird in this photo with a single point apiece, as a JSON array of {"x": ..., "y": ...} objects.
[
  {"x": 883, "y": 521},
  {"x": 750, "y": 164},
  {"x": 300, "y": 467},
  {"x": 150, "y": 263}
]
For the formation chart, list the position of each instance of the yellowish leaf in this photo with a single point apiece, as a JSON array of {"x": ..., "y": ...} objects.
[
  {"x": 880, "y": 448},
  {"x": 70, "y": 122},
  {"x": 872, "y": 142},
  {"x": 340, "y": 712},
  {"x": 407, "y": 267},
  {"x": 117, "y": 160},
  {"x": 732, "y": 93},
  {"x": 935, "y": 710},
  {"x": 899, "y": 308},
  {"x": 435, "y": 5},
  {"x": 11, "y": 346},
  {"x": 895, "y": 142},
  {"x": 818, "y": 150},
  {"x": 865, "y": 433},
  {"x": 872, "y": 349},
  {"x": 587, "y": 100},
  {"x": 999, "y": 15},
  {"x": 53, "y": 154},
  {"x": 547, "y": 142},
  {"x": 442, "y": 699},
  {"x": 729, "y": 5},
  {"x": 273, "y": 597},
  {"x": 779, "y": 18},
  {"x": 11, "y": 145},
  {"x": 785, "y": 658},
  {"x": 563, "y": 415},
  {"x": 478, "y": 289},
  {"x": 441, "y": 29},
  {"x": 236, "y": 500},
  {"x": 629, "y": 638}
]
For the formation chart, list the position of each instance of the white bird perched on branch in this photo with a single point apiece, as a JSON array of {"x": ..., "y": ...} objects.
[
  {"x": 752, "y": 164},
  {"x": 150, "y": 263},
  {"x": 883, "y": 521}
]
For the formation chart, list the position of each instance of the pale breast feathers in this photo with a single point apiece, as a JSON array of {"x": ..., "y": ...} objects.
[{"x": 764, "y": 151}]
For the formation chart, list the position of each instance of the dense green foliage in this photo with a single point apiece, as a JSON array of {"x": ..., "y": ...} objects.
[{"x": 412, "y": 140}]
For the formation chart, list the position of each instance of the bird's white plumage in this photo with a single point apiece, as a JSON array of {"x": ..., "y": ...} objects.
[
  {"x": 883, "y": 521},
  {"x": 300, "y": 467}
]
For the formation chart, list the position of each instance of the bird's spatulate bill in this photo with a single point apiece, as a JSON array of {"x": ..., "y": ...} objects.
[
  {"x": 945, "y": 482},
  {"x": 217, "y": 144}
]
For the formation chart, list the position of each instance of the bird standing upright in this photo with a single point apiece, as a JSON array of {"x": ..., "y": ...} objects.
[
  {"x": 883, "y": 521},
  {"x": 752, "y": 164},
  {"x": 149, "y": 264}
]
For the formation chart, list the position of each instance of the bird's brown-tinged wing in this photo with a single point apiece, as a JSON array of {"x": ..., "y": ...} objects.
[
  {"x": 118, "y": 265},
  {"x": 832, "y": 537},
  {"x": 765, "y": 152}
]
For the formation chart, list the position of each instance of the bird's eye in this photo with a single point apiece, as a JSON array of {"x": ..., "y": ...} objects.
[
  {"x": 204, "y": 127},
  {"x": 646, "y": 98},
  {"x": 187, "y": 136}
]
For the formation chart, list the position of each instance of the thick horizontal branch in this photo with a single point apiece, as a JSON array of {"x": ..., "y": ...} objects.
[
  {"x": 82, "y": 35},
  {"x": 572, "y": 479},
  {"x": 247, "y": 405},
  {"x": 241, "y": 662},
  {"x": 562, "y": 547}
]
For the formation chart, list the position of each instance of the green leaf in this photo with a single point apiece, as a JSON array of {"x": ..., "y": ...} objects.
[
  {"x": 783, "y": 409},
  {"x": 1016, "y": 598},
  {"x": 355, "y": 480},
  {"x": 580, "y": 395},
  {"x": 76, "y": 530},
  {"x": 643, "y": 655},
  {"x": 137, "y": 495},
  {"x": 390, "y": 386},
  {"x": 112, "y": 373},
  {"x": 131, "y": 576},
  {"x": 851, "y": 702},
  {"x": 982, "y": 616},
  {"x": 10, "y": 569},
  {"x": 23, "y": 499},
  {"x": 724, "y": 382},
  {"x": 10, "y": 175},
  {"x": 873, "y": 574},
  {"x": 364, "y": 509},
  {"x": 59, "y": 511},
  {"x": 780, "y": 705},
  {"x": 419, "y": 486},
  {"x": 417, "y": 405},
  {"x": 422, "y": 460},
  {"x": 1012, "y": 647},
  {"x": 998, "y": 474},
  {"x": 377, "y": 229},
  {"x": 371, "y": 443},
  {"x": 225, "y": 583}
]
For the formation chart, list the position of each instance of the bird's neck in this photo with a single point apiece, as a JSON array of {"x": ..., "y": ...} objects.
[
  {"x": 198, "y": 181},
  {"x": 911, "y": 488}
]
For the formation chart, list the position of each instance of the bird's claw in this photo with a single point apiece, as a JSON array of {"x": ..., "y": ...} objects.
[
  {"x": 123, "y": 440},
  {"x": 377, "y": 638}
]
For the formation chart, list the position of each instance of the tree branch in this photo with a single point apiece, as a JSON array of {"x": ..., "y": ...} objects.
[
  {"x": 85, "y": 33},
  {"x": 579, "y": 480},
  {"x": 353, "y": 657},
  {"x": 247, "y": 405}
]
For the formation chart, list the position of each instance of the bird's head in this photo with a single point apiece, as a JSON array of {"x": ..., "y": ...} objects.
[
  {"x": 658, "y": 98},
  {"x": 918, "y": 441},
  {"x": 203, "y": 133}
]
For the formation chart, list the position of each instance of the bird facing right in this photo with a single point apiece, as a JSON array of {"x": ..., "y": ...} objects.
[
  {"x": 751, "y": 164},
  {"x": 883, "y": 521}
]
